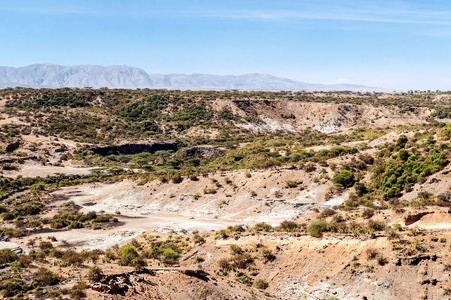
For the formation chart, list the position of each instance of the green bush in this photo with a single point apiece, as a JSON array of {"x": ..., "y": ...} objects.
[
  {"x": 126, "y": 255},
  {"x": 402, "y": 141},
  {"x": 393, "y": 176},
  {"x": 32, "y": 208},
  {"x": 403, "y": 154},
  {"x": 317, "y": 228},
  {"x": 360, "y": 188},
  {"x": 345, "y": 178}
]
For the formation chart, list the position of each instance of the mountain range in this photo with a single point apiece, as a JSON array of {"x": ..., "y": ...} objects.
[{"x": 58, "y": 76}]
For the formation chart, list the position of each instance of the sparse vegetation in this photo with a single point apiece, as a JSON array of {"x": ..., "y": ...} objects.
[{"x": 211, "y": 157}]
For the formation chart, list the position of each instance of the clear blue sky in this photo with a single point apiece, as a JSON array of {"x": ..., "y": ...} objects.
[{"x": 386, "y": 43}]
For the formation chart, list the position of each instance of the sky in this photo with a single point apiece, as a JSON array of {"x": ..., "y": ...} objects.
[{"x": 392, "y": 44}]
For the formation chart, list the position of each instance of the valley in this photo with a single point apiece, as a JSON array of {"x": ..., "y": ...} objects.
[{"x": 169, "y": 194}]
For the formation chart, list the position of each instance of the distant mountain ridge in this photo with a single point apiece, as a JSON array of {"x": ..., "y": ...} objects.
[{"x": 58, "y": 76}]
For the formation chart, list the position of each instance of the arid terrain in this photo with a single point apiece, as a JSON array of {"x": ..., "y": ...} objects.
[{"x": 157, "y": 194}]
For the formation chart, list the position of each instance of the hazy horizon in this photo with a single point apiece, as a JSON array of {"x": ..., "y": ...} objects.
[{"x": 395, "y": 45}]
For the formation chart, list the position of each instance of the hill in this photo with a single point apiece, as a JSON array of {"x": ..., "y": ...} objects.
[{"x": 57, "y": 76}]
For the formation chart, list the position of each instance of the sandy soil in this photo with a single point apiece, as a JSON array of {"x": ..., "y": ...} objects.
[
  {"x": 438, "y": 220},
  {"x": 172, "y": 207},
  {"x": 34, "y": 169}
]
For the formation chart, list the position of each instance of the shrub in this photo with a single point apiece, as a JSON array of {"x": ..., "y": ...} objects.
[
  {"x": 45, "y": 277},
  {"x": 403, "y": 154},
  {"x": 366, "y": 158},
  {"x": 7, "y": 216},
  {"x": 170, "y": 254},
  {"x": 95, "y": 273},
  {"x": 291, "y": 184},
  {"x": 25, "y": 261},
  {"x": 368, "y": 213},
  {"x": 126, "y": 255},
  {"x": 12, "y": 287},
  {"x": 376, "y": 226},
  {"x": 261, "y": 284},
  {"x": 267, "y": 254},
  {"x": 317, "y": 228},
  {"x": 309, "y": 167},
  {"x": 32, "y": 208},
  {"x": 236, "y": 249},
  {"x": 7, "y": 256},
  {"x": 198, "y": 239},
  {"x": 381, "y": 260},
  {"x": 371, "y": 253},
  {"x": 288, "y": 225},
  {"x": 402, "y": 141},
  {"x": 170, "y": 257},
  {"x": 327, "y": 213},
  {"x": 92, "y": 255},
  {"x": 209, "y": 191},
  {"x": 244, "y": 279},
  {"x": 177, "y": 178},
  {"x": 224, "y": 264},
  {"x": 18, "y": 233},
  {"x": 360, "y": 188},
  {"x": 338, "y": 219},
  {"x": 345, "y": 178},
  {"x": 45, "y": 245},
  {"x": 128, "y": 250},
  {"x": 392, "y": 235},
  {"x": 278, "y": 194},
  {"x": 110, "y": 255},
  {"x": 262, "y": 227},
  {"x": 70, "y": 257},
  {"x": 242, "y": 261},
  {"x": 138, "y": 263},
  {"x": 78, "y": 290}
]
